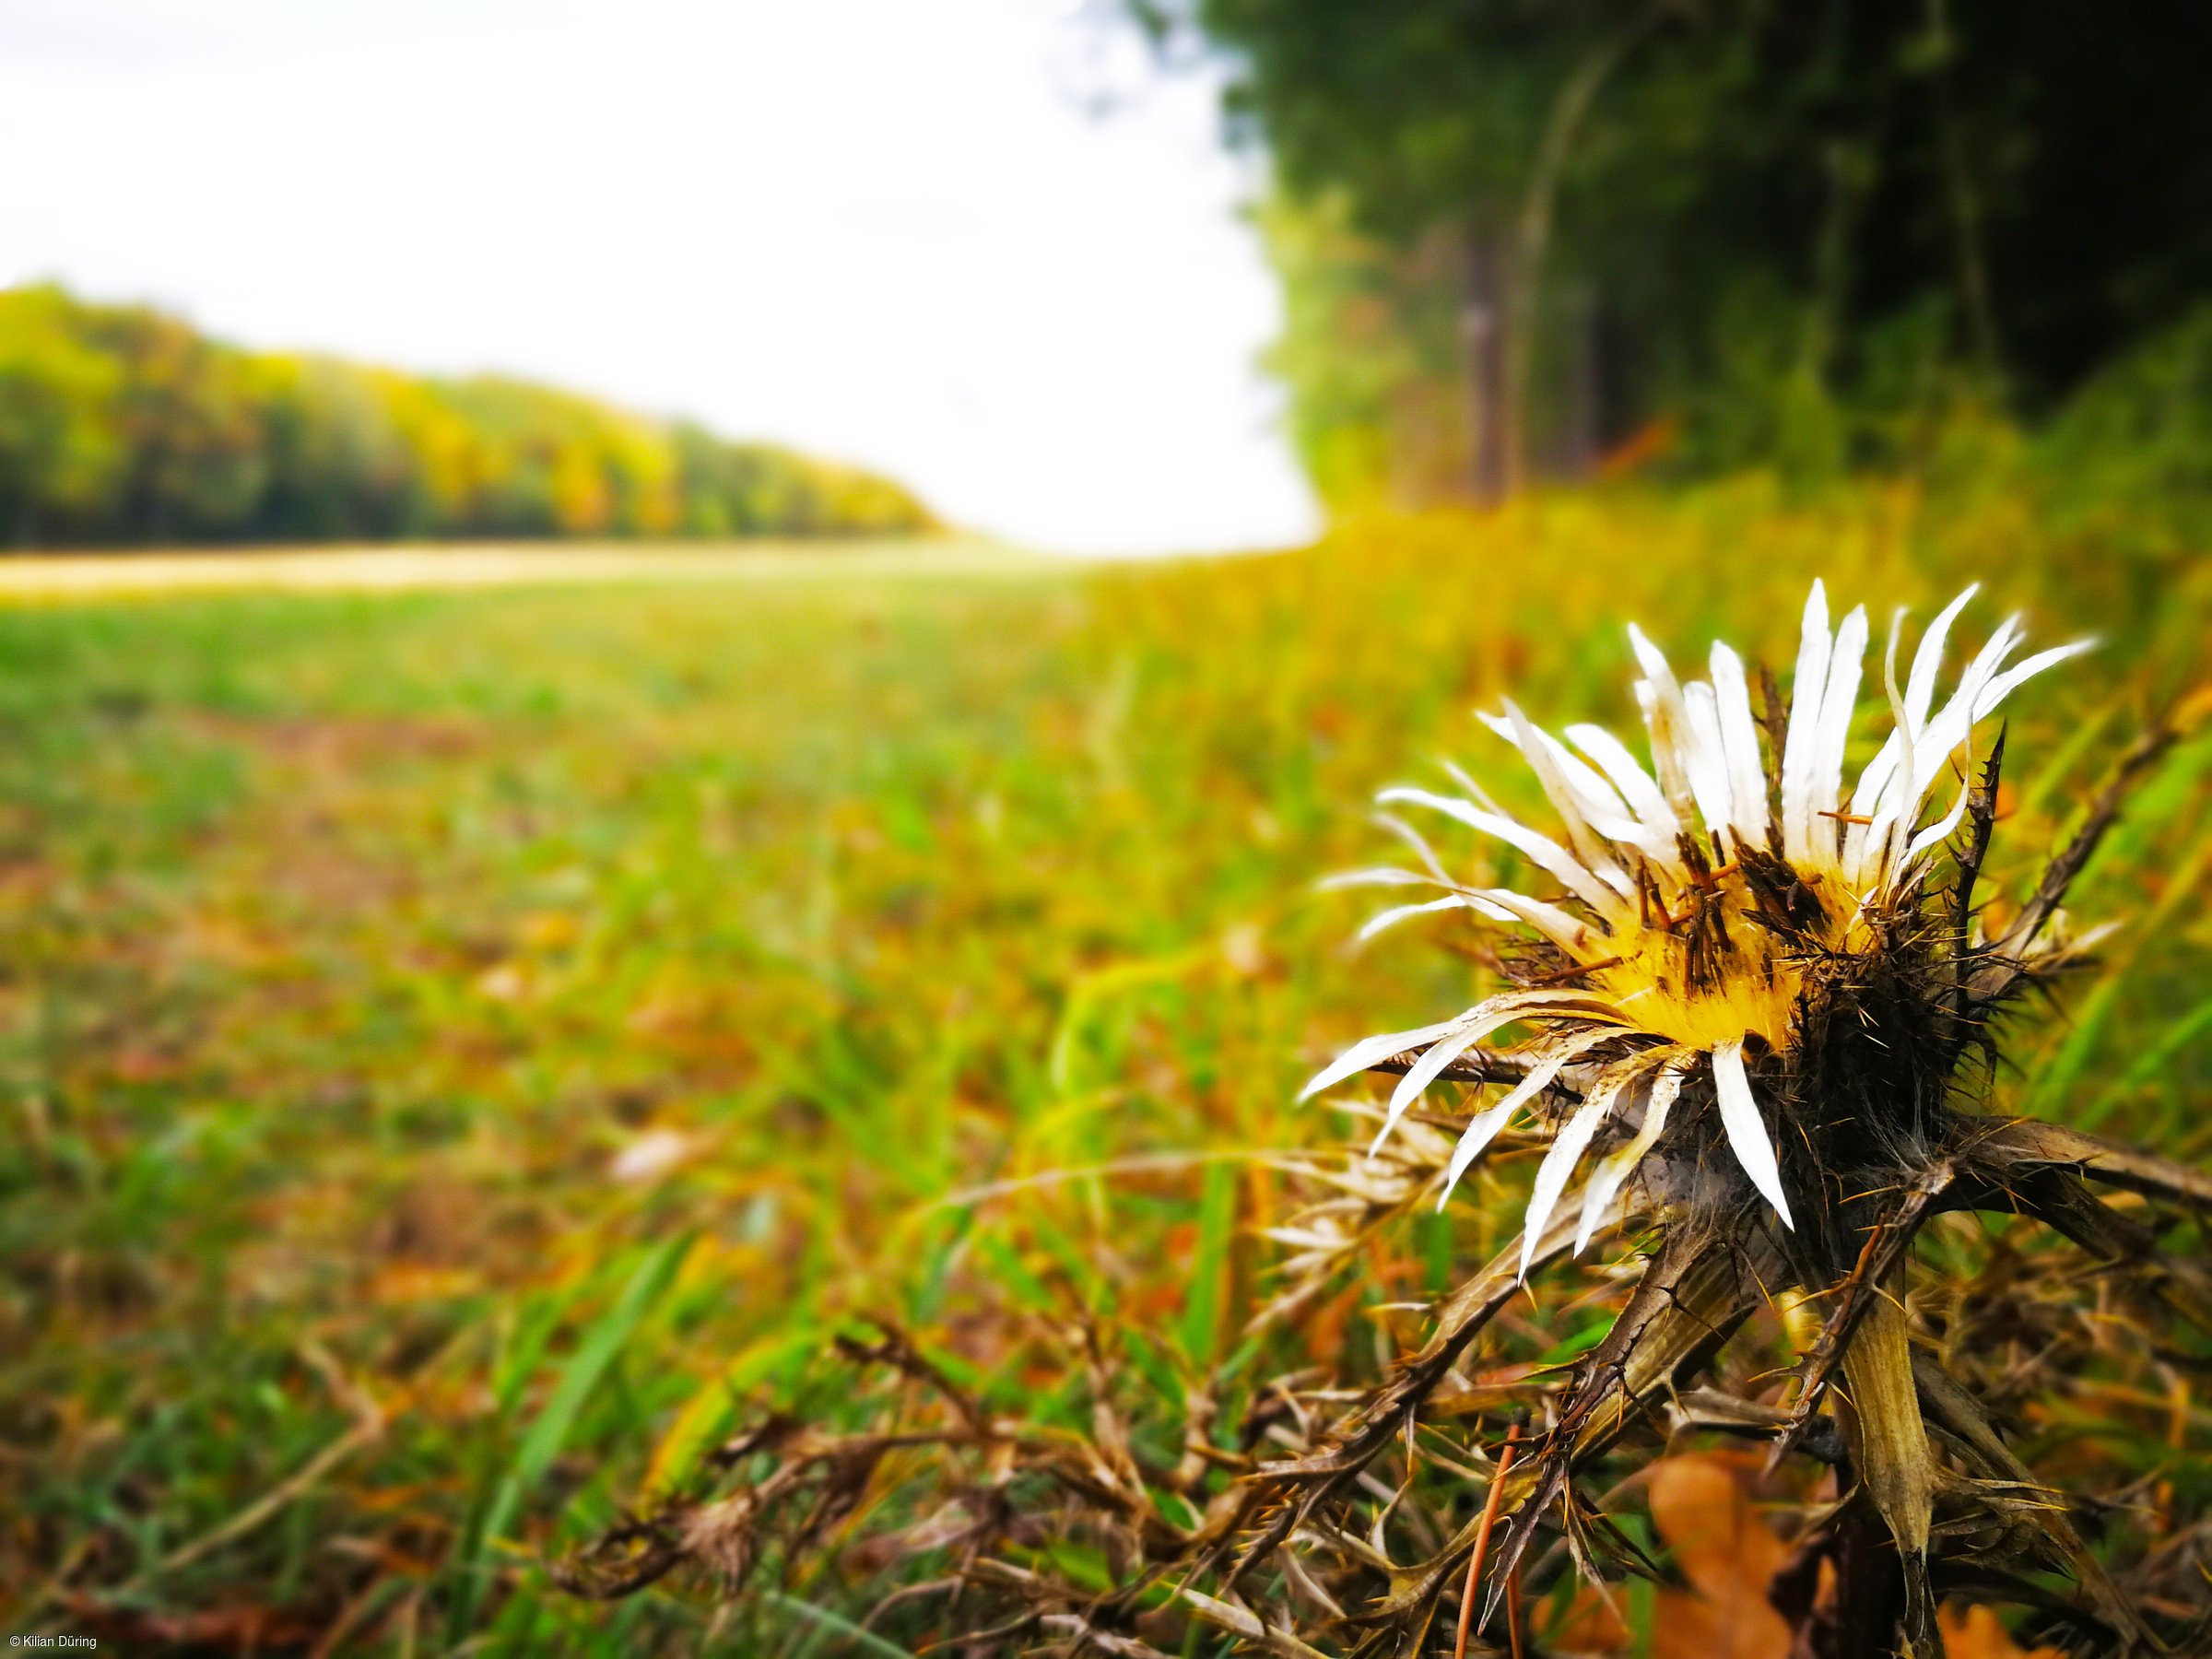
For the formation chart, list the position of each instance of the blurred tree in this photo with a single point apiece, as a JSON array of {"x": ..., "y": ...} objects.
[
  {"x": 60, "y": 453},
  {"x": 1804, "y": 229},
  {"x": 119, "y": 425},
  {"x": 1369, "y": 350}
]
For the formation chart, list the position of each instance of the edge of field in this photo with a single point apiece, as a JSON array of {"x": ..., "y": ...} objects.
[{"x": 47, "y": 577}]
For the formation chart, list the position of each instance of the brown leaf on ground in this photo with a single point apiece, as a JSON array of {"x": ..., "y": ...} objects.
[
  {"x": 1591, "y": 1625},
  {"x": 1701, "y": 1505},
  {"x": 243, "y": 1629},
  {"x": 1977, "y": 1634}
]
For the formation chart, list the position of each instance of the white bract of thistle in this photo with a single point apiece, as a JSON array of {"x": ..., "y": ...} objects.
[{"x": 1665, "y": 874}]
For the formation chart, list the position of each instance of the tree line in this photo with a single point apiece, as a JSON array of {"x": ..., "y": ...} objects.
[{"x": 120, "y": 425}]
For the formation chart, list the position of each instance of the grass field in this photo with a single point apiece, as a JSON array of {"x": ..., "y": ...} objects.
[{"x": 459, "y": 1050}]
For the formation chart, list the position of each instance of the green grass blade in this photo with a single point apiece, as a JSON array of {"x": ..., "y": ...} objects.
[
  {"x": 866, "y": 1641},
  {"x": 2056, "y": 1080},
  {"x": 1209, "y": 1267},
  {"x": 549, "y": 1431},
  {"x": 2148, "y": 1064}
]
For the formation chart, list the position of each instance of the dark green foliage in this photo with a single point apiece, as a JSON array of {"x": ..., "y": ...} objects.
[
  {"x": 1748, "y": 212},
  {"x": 119, "y": 426}
]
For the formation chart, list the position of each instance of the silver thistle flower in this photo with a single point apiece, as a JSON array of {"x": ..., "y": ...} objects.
[
  {"x": 1742, "y": 955},
  {"x": 1700, "y": 902}
]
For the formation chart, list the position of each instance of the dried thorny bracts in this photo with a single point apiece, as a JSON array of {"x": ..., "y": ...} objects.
[{"x": 1750, "y": 1016}]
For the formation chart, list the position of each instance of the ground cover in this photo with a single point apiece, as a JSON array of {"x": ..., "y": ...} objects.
[{"x": 461, "y": 1051}]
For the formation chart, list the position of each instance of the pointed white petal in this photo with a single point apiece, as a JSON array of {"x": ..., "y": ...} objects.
[
  {"x": 1739, "y": 745},
  {"x": 1846, "y": 662},
  {"x": 1462, "y": 898},
  {"x": 1633, "y": 834},
  {"x": 1879, "y": 780},
  {"x": 1541, "y": 850},
  {"x": 1704, "y": 757},
  {"x": 1855, "y": 835},
  {"x": 1940, "y": 832},
  {"x": 1595, "y": 856},
  {"x": 1617, "y": 1166},
  {"x": 1413, "y": 839},
  {"x": 1484, "y": 1129},
  {"x": 1476, "y": 792},
  {"x": 1746, "y": 1131},
  {"x": 1449, "y": 1039},
  {"x": 1644, "y": 796},
  {"x": 1948, "y": 729},
  {"x": 1426, "y": 1070},
  {"x": 1889, "y": 691},
  {"x": 1367, "y": 1050},
  {"x": 1920, "y": 691},
  {"x": 1876, "y": 776},
  {"x": 1384, "y": 920},
  {"x": 1877, "y": 844},
  {"x": 1568, "y": 1147},
  {"x": 1867, "y": 847},
  {"x": 1659, "y": 695},
  {"x": 1651, "y": 659},
  {"x": 1896, "y": 781},
  {"x": 1806, "y": 691},
  {"x": 1379, "y": 876},
  {"x": 1999, "y": 689},
  {"x": 1568, "y": 933},
  {"x": 1481, "y": 1130},
  {"x": 1593, "y": 794}
]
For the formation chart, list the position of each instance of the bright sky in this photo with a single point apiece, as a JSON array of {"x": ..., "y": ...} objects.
[{"x": 888, "y": 231}]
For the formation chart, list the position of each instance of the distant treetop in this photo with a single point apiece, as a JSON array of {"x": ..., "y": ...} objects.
[{"x": 121, "y": 426}]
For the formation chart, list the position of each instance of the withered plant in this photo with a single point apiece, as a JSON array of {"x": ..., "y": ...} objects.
[{"x": 1765, "y": 1017}]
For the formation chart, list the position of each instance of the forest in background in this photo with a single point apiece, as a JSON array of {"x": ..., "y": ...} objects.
[
  {"x": 120, "y": 425},
  {"x": 1522, "y": 240}
]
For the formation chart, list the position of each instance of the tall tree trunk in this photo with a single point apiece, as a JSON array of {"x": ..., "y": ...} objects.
[
  {"x": 1538, "y": 204},
  {"x": 1965, "y": 200},
  {"x": 1486, "y": 310},
  {"x": 1583, "y": 426}
]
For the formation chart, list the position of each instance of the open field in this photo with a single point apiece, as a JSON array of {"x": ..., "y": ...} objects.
[
  {"x": 490, "y": 564},
  {"x": 459, "y": 1049}
]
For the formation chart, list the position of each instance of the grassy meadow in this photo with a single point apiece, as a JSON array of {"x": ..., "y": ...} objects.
[{"x": 461, "y": 1053}]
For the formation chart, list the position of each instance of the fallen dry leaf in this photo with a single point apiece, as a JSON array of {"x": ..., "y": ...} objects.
[
  {"x": 1701, "y": 1505},
  {"x": 1977, "y": 1634}
]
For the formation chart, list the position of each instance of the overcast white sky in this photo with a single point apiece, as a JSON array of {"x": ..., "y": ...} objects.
[{"x": 888, "y": 231}]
